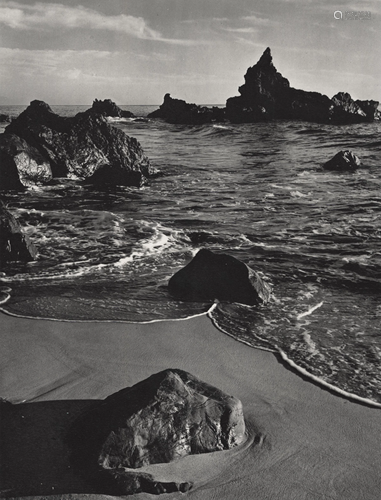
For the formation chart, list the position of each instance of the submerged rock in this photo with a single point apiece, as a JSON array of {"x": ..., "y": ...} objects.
[
  {"x": 14, "y": 244},
  {"x": 266, "y": 94},
  {"x": 109, "y": 108},
  {"x": 211, "y": 276},
  {"x": 170, "y": 415},
  {"x": 343, "y": 161},
  {"x": 78, "y": 146},
  {"x": 179, "y": 111}
]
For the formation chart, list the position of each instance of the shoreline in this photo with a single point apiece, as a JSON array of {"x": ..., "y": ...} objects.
[
  {"x": 313, "y": 445},
  {"x": 279, "y": 354}
]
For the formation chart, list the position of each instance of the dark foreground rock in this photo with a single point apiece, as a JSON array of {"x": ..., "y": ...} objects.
[
  {"x": 343, "y": 161},
  {"x": 170, "y": 415},
  {"x": 179, "y": 111},
  {"x": 78, "y": 146},
  {"x": 266, "y": 94},
  {"x": 109, "y": 108},
  {"x": 211, "y": 276},
  {"x": 14, "y": 244},
  {"x": 4, "y": 118}
]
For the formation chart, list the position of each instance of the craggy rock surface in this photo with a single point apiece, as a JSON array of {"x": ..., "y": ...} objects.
[
  {"x": 179, "y": 111},
  {"x": 14, "y": 244},
  {"x": 109, "y": 108},
  {"x": 266, "y": 94},
  {"x": 343, "y": 161},
  {"x": 161, "y": 419},
  {"x": 77, "y": 147},
  {"x": 211, "y": 276},
  {"x": 21, "y": 165}
]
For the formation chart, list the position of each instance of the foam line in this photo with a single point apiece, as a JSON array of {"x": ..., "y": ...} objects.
[
  {"x": 8, "y": 313},
  {"x": 310, "y": 311},
  {"x": 318, "y": 380}
]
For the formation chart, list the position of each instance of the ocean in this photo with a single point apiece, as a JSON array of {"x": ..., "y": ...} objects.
[{"x": 254, "y": 191}]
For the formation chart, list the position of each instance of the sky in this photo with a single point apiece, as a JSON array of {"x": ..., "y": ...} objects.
[{"x": 135, "y": 51}]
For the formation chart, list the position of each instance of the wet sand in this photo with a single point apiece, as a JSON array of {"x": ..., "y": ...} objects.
[{"x": 311, "y": 444}]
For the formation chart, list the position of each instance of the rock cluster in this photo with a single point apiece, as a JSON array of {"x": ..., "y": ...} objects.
[
  {"x": 109, "y": 108},
  {"x": 42, "y": 145},
  {"x": 170, "y": 415},
  {"x": 211, "y": 276},
  {"x": 14, "y": 244},
  {"x": 266, "y": 94},
  {"x": 179, "y": 111}
]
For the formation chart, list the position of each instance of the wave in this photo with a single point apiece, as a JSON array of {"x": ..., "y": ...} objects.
[{"x": 306, "y": 368}]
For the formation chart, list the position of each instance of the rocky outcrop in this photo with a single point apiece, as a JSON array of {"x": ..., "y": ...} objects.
[
  {"x": 343, "y": 161},
  {"x": 211, "y": 276},
  {"x": 266, "y": 94},
  {"x": 21, "y": 165},
  {"x": 78, "y": 146},
  {"x": 370, "y": 109},
  {"x": 109, "y": 108},
  {"x": 179, "y": 111},
  {"x": 168, "y": 416},
  {"x": 4, "y": 118},
  {"x": 14, "y": 244}
]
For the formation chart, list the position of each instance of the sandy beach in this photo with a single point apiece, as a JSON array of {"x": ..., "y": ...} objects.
[{"x": 312, "y": 444}]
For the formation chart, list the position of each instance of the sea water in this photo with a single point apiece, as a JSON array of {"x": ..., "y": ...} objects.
[{"x": 254, "y": 191}]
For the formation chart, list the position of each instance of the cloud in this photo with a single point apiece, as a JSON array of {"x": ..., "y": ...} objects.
[
  {"x": 248, "y": 29},
  {"x": 51, "y": 16},
  {"x": 259, "y": 21}
]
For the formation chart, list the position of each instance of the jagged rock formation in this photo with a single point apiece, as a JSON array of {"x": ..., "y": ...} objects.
[
  {"x": 170, "y": 415},
  {"x": 4, "y": 118},
  {"x": 14, "y": 244},
  {"x": 21, "y": 164},
  {"x": 109, "y": 108},
  {"x": 266, "y": 94},
  {"x": 78, "y": 147},
  {"x": 343, "y": 161},
  {"x": 211, "y": 276},
  {"x": 179, "y": 111}
]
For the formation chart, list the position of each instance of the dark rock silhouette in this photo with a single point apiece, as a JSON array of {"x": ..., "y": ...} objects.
[
  {"x": 266, "y": 94},
  {"x": 21, "y": 165},
  {"x": 80, "y": 145},
  {"x": 343, "y": 161},
  {"x": 170, "y": 415},
  {"x": 14, "y": 244},
  {"x": 109, "y": 108},
  {"x": 211, "y": 276},
  {"x": 4, "y": 118},
  {"x": 179, "y": 111}
]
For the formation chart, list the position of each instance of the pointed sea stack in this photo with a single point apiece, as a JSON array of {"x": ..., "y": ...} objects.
[{"x": 266, "y": 94}]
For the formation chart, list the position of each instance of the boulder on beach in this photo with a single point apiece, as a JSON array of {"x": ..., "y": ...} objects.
[
  {"x": 266, "y": 94},
  {"x": 78, "y": 146},
  {"x": 168, "y": 416},
  {"x": 109, "y": 108},
  {"x": 181, "y": 112},
  {"x": 21, "y": 165},
  {"x": 343, "y": 161},
  {"x": 209, "y": 276},
  {"x": 14, "y": 244}
]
